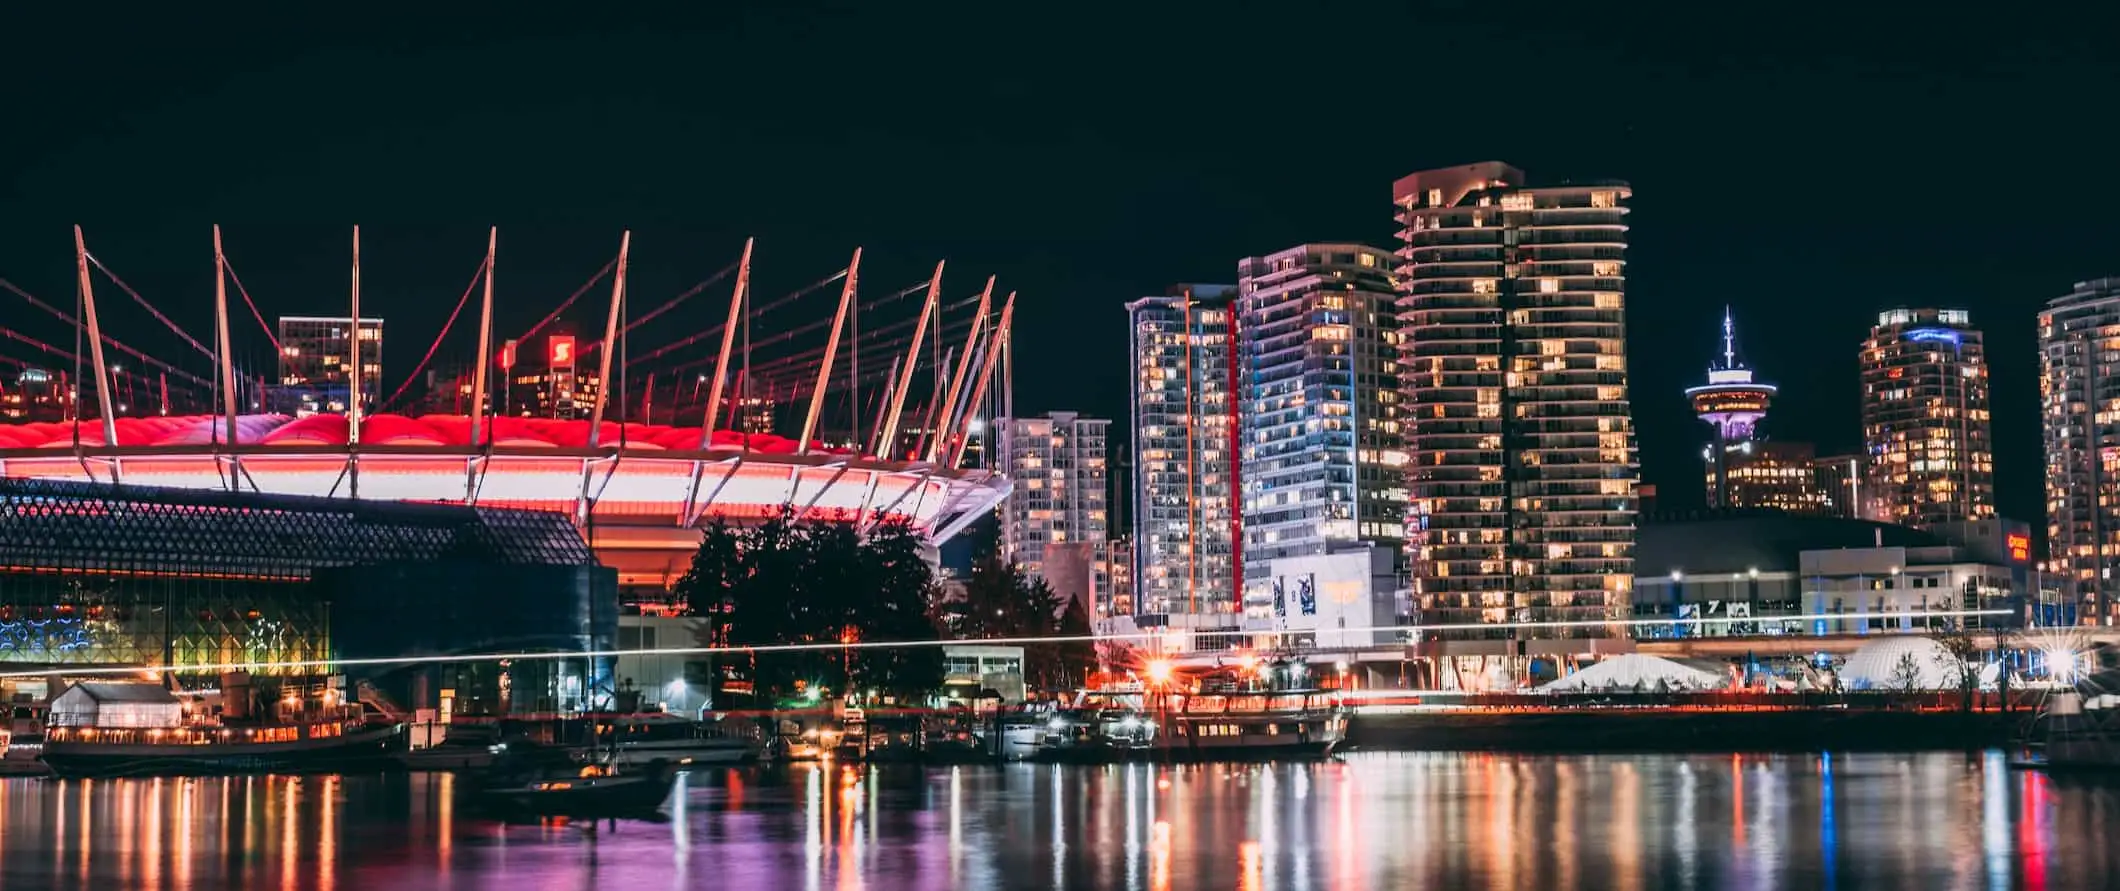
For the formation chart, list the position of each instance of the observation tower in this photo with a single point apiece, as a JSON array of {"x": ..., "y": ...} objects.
[{"x": 1733, "y": 403}]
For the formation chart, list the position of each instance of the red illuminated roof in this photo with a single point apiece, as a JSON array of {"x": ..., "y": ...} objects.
[{"x": 389, "y": 430}]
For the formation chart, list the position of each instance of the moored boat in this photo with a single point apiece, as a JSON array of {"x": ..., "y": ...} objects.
[
  {"x": 141, "y": 729},
  {"x": 645, "y": 739},
  {"x": 549, "y": 781}
]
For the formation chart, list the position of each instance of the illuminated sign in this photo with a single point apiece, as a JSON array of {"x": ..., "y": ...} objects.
[
  {"x": 560, "y": 349},
  {"x": 2020, "y": 546},
  {"x": 1945, "y": 335},
  {"x": 507, "y": 355}
]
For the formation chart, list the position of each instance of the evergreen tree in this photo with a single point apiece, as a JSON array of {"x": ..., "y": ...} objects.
[{"x": 789, "y": 582}]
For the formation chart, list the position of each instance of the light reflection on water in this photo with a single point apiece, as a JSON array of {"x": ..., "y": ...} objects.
[{"x": 1433, "y": 820}]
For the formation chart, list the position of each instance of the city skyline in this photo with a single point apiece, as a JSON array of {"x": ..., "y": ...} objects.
[{"x": 148, "y": 163}]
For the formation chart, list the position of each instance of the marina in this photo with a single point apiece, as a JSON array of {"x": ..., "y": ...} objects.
[{"x": 1367, "y": 820}]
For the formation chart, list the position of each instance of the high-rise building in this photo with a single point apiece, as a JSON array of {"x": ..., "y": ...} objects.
[
  {"x": 1767, "y": 474},
  {"x": 1839, "y": 480},
  {"x": 1186, "y": 528},
  {"x": 1925, "y": 419},
  {"x": 1056, "y": 465},
  {"x": 554, "y": 388},
  {"x": 1324, "y": 462},
  {"x": 1733, "y": 403},
  {"x": 1514, "y": 366},
  {"x": 316, "y": 364},
  {"x": 2079, "y": 387}
]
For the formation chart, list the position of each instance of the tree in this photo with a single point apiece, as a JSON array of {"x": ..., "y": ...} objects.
[
  {"x": 900, "y": 586},
  {"x": 1000, "y": 601},
  {"x": 785, "y": 581},
  {"x": 1906, "y": 674}
]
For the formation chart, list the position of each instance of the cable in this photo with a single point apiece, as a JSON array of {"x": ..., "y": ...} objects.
[
  {"x": 667, "y": 305},
  {"x": 128, "y": 289},
  {"x": 710, "y": 332},
  {"x": 277, "y": 350},
  {"x": 113, "y": 342},
  {"x": 460, "y": 301},
  {"x": 577, "y": 295}
]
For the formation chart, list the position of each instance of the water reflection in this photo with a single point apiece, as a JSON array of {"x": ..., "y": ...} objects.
[{"x": 1435, "y": 820}]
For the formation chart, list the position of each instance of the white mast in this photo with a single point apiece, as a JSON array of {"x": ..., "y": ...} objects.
[
  {"x": 95, "y": 347},
  {"x": 831, "y": 350}
]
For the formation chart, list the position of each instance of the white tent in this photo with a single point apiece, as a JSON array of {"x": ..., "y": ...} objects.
[
  {"x": 1901, "y": 662},
  {"x": 116, "y": 704},
  {"x": 1635, "y": 671}
]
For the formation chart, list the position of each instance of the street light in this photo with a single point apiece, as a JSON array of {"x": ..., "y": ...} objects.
[{"x": 1159, "y": 671}]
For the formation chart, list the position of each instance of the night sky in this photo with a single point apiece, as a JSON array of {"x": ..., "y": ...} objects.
[{"x": 1807, "y": 166}]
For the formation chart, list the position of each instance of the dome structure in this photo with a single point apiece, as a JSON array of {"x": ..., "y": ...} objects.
[{"x": 1900, "y": 662}]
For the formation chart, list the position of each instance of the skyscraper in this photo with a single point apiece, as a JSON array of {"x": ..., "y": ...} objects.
[
  {"x": 1925, "y": 419},
  {"x": 1323, "y": 458},
  {"x": 316, "y": 363},
  {"x": 1514, "y": 366},
  {"x": 2079, "y": 388},
  {"x": 1186, "y": 528},
  {"x": 1056, "y": 506},
  {"x": 1733, "y": 403}
]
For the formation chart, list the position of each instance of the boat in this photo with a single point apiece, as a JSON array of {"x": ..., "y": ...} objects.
[
  {"x": 2082, "y": 722},
  {"x": 1216, "y": 718},
  {"x": 141, "y": 729},
  {"x": 649, "y": 738},
  {"x": 1021, "y": 733},
  {"x": 528, "y": 779}
]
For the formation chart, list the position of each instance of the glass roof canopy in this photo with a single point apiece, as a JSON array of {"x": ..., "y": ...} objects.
[{"x": 64, "y": 526}]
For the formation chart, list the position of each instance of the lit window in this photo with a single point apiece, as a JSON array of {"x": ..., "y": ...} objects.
[
  {"x": 1604, "y": 199},
  {"x": 1483, "y": 286},
  {"x": 1549, "y": 286}
]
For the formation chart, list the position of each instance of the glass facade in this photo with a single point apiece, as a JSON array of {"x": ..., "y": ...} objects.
[
  {"x": 1186, "y": 534},
  {"x": 94, "y": 574},
  {"x": 316, "y": 363},
  {"x": 1925, "y": 420},
  {"x": 1324, "y": 460},
  {"x": 1514, "y": 368},
  {"x": 1056, "y": 465},
  {"x": 2079, "y": 386},
  {"x": 1759, "y": 473}
]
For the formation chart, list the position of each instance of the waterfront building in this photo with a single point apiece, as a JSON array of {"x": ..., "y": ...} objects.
[
  {"x": 1925, "y": 423},
  {"x": 1762, "y": 569},
  {"x": 2079, "y": 386},
  {"x": 1056, "y": 506},
  {"x": 186, "y": 579},
  {"x": 1187, "y": 541},
  {"x": 1323, "y": 458},
  {"x": 316, "y": 364},
  {"x": 1514, "y": 369}
]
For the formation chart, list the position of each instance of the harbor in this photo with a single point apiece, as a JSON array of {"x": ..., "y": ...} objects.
[{"x": 1365, "y": 820}]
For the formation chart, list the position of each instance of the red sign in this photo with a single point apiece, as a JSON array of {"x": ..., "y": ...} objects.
[
  {"x": 560, "y": 349},
  {"x": 507, "y": 355},
  {"x": 2020, "y": 546}
]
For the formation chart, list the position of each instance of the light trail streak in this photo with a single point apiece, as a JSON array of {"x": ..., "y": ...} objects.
[{"x": 991, "y": 641}]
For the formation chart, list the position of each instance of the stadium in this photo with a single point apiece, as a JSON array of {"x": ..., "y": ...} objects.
[{"x": 873, "y": 444}]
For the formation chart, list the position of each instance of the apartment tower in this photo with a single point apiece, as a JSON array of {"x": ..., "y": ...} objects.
[{"x": 1514, "y": 370}]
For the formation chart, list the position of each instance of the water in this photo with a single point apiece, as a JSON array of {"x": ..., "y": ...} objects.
[{"x": 1374, "y": 821}]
